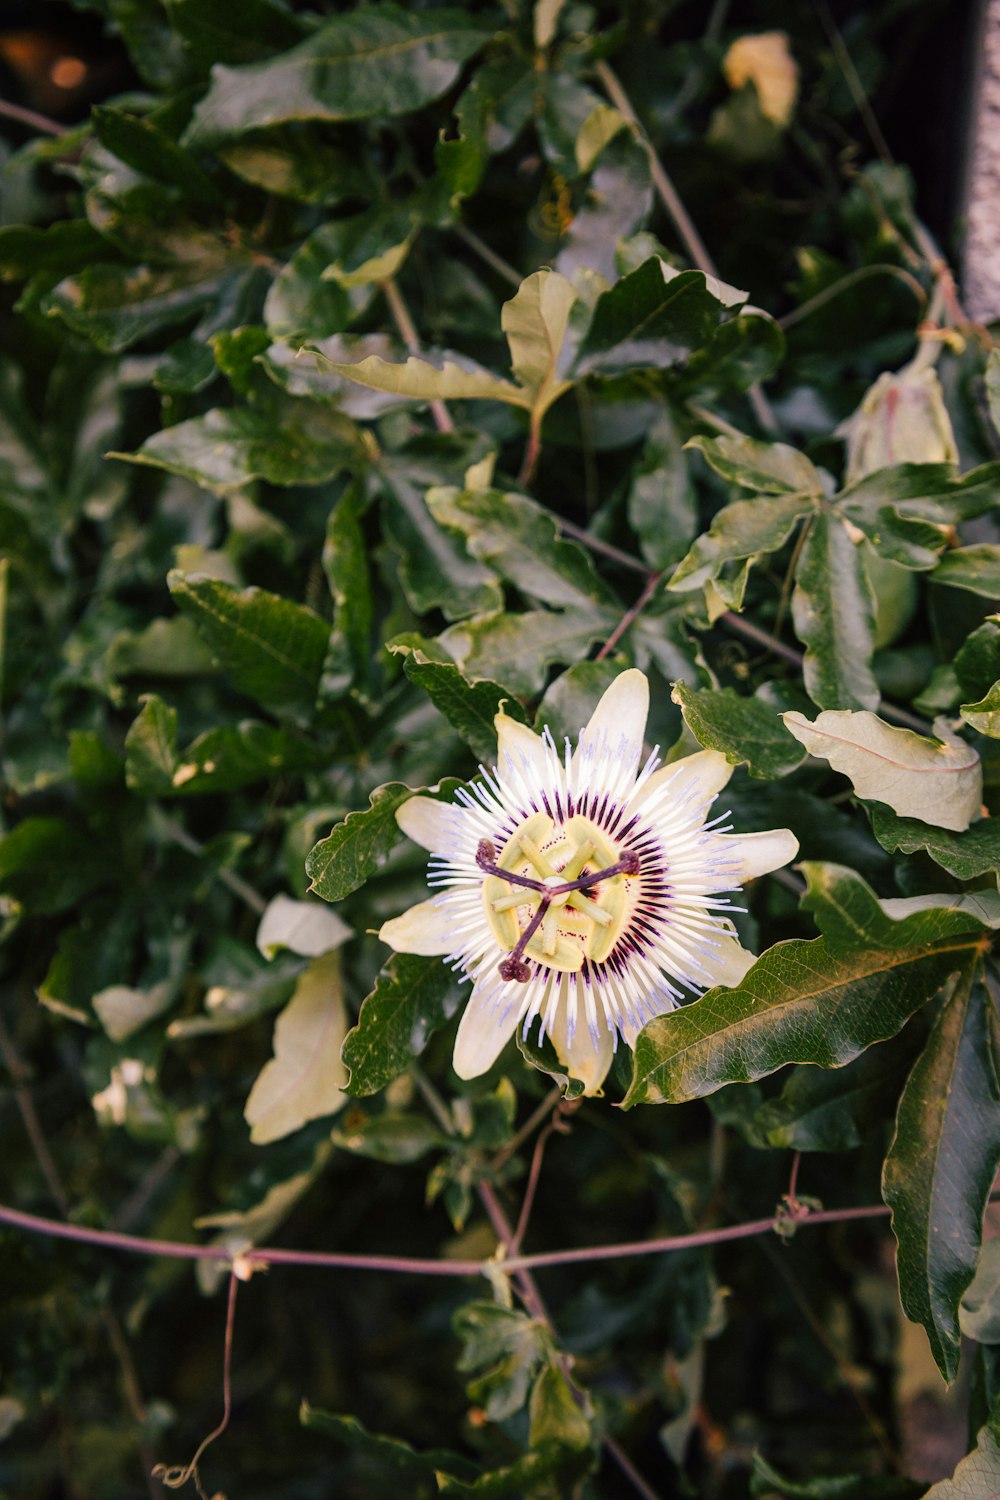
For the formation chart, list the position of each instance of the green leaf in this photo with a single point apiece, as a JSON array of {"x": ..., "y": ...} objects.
[
  {"x": 390, "y": 1137},
  {"x": 966, "y": 855},
  {"x": 550, "y": 1470},
  {"x": 744, "y": 529},
  {"x": 833, "y": 613},
  {"x": 800, "y": 1003},
  {"x": 977, "y": 661},
  {"x": 772, "y": 468},
  {"x": 930, "y": 492},
  {"x": 554, "y": 1415},
  {"x": 389, "y": 1455},
  {"x": 938, "y": 781},
  {"x": 413, "y": 996},
  {"x": 345, "y": 562},
  {"x": 300, "y": 303},
  {"x": 305, "y": 1078},
  {"x": 654, "y": 317},
  {"x": 848, "y": 913},
  {"x": 748, "y": 731},
  {"x": 380, "y": 60},
  {"x": 143, "y": 145},
  {"x": 828, "y": 1109},
  {"x": 506, "y": 1347},
  {"x": 50, "y": 865},
  {"x": 662, "y": 507},
  {"x": 976, "y": 569},
  {"x": 469, "y": 707},
  {"x": 297, "y": 161},
  {"x": 979, "y": 1310},
  {"x": 941, "y": 1165},
  {"x": 435, "y": 569},
  {"x": 976, "y": 1475},
  {"x": 518, "y": 649},
  {"x": 64, "y": 247},
  {"x": 535, "y": 321},
  {"x": 340, "y": 863},
  {"x": 985, "y": 715},
  {"x": 217, "y": 761},
  {"x": 271, "y": 649},
  {"x": 302, "y": 442},
  {"x": 518, "y": 539},
  {"x": 768, "y": 1483},
  {"x": 151, "y": 748},
  {"x": 821, "y": 1002},
  {"x": 114, "y": 306}
]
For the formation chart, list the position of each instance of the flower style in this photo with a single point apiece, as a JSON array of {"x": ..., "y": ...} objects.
[{"x": 581, "y": 889}]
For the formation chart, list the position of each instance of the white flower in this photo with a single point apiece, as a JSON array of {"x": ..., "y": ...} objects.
[{"x": 580, "y": 889}]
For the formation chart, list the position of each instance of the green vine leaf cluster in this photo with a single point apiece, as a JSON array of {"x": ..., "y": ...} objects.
[{"x": 377, "y": 379}]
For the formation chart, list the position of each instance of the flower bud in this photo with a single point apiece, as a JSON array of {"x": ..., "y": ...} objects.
[{"x": 902, "y": 420}]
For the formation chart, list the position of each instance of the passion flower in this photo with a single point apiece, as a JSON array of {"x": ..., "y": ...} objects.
[{"x": 585, "y": 889}]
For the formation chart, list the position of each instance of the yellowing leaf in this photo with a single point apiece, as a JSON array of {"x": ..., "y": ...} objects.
[
  {"x": 938, "y": 781},
  {"x": 535, "y": 321},
  {"x": 304, "y": 927},
  {"x": 305, "y": 1077},
  {"x": 765, "y": 61}
]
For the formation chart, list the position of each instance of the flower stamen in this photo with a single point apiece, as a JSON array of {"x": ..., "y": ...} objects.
[{"x": 553, "y": 892}]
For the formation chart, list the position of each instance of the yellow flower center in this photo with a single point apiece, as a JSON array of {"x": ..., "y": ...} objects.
[{"x": 577, "y": 925}]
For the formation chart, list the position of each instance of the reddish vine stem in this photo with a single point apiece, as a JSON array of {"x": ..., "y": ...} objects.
[
  {"x": 532, "y": 1299},
  {"x": 109, "y": 1239},
  {"x": 684, "y": 224},
  {"x": 32, "y": 118},
  {"x": 47, "y": 1165},
  {"x": 175, "y": 1477},
  {"x": 630, "y": 616},
  {"x": 408, "y": 333}
]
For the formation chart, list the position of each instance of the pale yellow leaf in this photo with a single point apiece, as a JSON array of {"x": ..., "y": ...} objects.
[
  {"x": 305, "y": 1078},
  {"x": 938, "y": 781}
]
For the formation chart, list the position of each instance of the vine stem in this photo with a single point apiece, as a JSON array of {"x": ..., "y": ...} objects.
[
  {"x": 110, "y": 1239},
  {"x": 729, "y": 620},
  {"x": 176, "y": 1477},
  {"x": 32, "y": 118},
  {"x": 533, "y": 1302},
  {"x": 47, "y": 1165},
  {"x": 630, "y": 616},
  {"x": 234, "y": 883},
  {"x": 408, "y": 333},
  {"x": 684, "y": 224}
]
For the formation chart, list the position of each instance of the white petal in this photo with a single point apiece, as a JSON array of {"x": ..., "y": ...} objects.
[
  {"x": 519, "y": 749},
  {"x": 427, "y": 928},
  {"x": 699, "y": 777},
  {"x": 619, "y": 722},
  {"x": 730, "y": 962},
  {"x": 582, "y": 1058},
  {"x": 756, "y": 854},
  {"x": 483, "y": 1031},
  {"x": 428, "y": 823}
]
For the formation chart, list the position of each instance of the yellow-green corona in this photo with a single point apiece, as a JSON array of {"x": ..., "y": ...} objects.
[{"x": 584, "y": 890}]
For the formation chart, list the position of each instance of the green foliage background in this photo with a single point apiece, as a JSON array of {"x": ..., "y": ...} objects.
[{"x": 357, "y": 379}]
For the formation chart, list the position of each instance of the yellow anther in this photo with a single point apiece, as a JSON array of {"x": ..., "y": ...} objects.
[
  {"x": 582, "y": 903},
  {"x": 540, "y": 860},
  {"x": 550, "y": 931},
  {"x": 573, "y": 868},
  {"x": 520, "y": 898}
]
